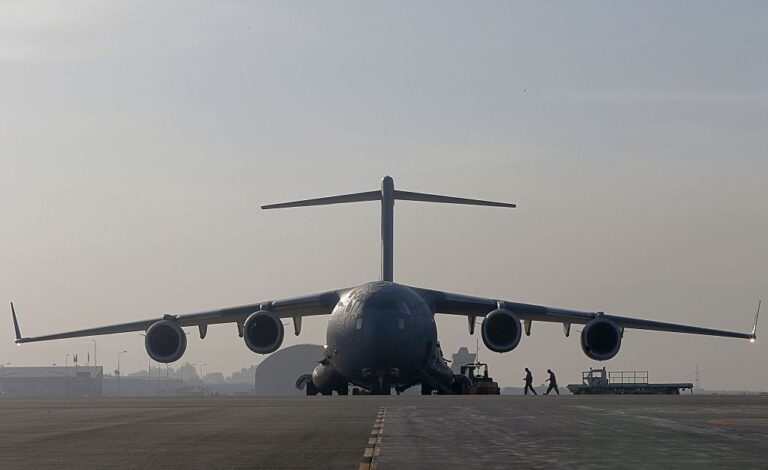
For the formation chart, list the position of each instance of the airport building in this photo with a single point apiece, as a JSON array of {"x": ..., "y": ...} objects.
[
  {"x": 277, "y": 373},
  {"x": 49, "y": 382},
  {"x": 143, "y": 386},
  {"x": 460, "y": 358},
  {"x": 73, "y": 382}
]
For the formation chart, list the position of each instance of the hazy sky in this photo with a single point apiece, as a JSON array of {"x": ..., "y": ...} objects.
[{"x": 138, "y": 140}]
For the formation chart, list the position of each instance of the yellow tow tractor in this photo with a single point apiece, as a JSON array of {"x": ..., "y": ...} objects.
[{"x": 475, "y": 381}]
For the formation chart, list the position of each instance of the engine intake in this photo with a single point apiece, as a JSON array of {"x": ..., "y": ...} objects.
[
  {"x": 600, "y": 339},
  {"x": 501, "y": 331},
  {"x": 165, "y": 341},
  {"x": 263, "y": 332}
]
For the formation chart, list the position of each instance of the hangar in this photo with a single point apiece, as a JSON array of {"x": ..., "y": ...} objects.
[{"x": 49, "y": 382}]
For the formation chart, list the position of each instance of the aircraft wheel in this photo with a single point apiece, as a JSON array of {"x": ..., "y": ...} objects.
[{"x": 461, "y": 385}]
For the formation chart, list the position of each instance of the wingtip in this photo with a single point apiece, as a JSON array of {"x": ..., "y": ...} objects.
[
  {"x": 753, "y": 336},
  {"x": 16, "y": 324}
]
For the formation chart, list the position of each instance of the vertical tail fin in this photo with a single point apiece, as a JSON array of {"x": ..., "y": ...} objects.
[{"x": 387, "y": 195}]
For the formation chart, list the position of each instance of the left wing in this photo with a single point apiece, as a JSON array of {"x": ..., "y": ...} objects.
[
  {"x": 294, "y": 307},
  {"x": 459, "y": 304}
]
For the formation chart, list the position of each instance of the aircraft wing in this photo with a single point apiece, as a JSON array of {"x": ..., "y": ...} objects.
[
  {"x": 294, "y": 307},
  {"x": 470, "y": 306}
]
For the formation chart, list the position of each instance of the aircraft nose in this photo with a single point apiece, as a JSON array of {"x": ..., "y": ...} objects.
[{"x": 381, "y": 322}]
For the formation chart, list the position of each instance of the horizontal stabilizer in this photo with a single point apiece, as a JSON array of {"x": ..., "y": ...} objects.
[
  {"x": 324, "y": 201},
  {"x": 387, "y": 196},
  {"x": 423, "y": 197}
]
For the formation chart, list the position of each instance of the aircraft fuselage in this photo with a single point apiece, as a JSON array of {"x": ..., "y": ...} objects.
[{"x": 380, "y": 335}]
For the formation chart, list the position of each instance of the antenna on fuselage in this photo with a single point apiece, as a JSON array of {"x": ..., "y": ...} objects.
[{"x": 387, "y": 195}]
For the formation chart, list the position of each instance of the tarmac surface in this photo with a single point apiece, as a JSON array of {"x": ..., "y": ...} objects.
[{"x": 440, "y": 432}]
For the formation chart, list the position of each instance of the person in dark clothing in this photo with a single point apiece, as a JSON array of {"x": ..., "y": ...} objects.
[
  {"x": 529, "y": 382},
  {"x": 552, "y": 383}
]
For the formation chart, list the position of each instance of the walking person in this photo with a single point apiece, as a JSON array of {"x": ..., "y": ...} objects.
[
  {"x": 552, "y": 383},
  {"x": 529, "y": 382}
]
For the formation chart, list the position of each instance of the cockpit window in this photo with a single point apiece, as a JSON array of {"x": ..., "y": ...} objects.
[
  {"x": 404, "y": 308},
  {"x": 359, "y": 324}
]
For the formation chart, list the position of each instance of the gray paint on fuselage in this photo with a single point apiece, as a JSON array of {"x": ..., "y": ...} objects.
[{"x": 381, "y": 328}]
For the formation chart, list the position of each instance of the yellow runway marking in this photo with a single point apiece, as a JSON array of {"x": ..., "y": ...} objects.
[{"x": 373, "y": 448}]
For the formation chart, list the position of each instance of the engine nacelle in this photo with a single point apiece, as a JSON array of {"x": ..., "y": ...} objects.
[
  {"x": 165, "y": 341},
  {"x": 600, "y": 339},
  {"x": 501, "y": 331},
  {"x": 263, "y": 332}
]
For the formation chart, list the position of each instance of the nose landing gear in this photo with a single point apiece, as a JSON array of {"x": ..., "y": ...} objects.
[{"x": 382, "y": 380}]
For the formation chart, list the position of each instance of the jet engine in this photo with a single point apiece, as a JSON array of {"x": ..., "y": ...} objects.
[
  {"x": 600, "y": 339},
  {"x": 263, "y": 332},
  {"x": 165, "y": 341},
  {"x": 501, "y": 331}
]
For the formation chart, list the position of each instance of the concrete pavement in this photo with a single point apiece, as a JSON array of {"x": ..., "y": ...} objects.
[{"x": 440, "y": 432}]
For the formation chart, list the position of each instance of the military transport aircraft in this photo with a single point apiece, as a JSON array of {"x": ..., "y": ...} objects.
[{"x": 382, "y": 334}]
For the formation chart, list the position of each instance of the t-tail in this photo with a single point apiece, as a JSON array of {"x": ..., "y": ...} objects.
[{"x": 387, "y": 195}]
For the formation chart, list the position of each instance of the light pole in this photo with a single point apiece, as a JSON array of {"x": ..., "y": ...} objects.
[
  {"x": 66, "y": 361},
  {"x": 202, "y": 375},
  {"x": 94, "y": 353},
  {"x": 118, "y": 370},
  {"x": 190, "y": 373}
]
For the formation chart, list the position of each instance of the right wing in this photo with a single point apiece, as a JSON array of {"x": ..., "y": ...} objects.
[
  {"x": 294, "y": 307},
  {"x": 471, "y": 306}
]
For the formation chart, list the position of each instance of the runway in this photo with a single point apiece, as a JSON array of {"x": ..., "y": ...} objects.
[{"x": 440, "y": 432}]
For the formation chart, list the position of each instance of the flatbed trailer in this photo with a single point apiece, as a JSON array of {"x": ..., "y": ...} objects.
[{"x": 600, "y": 382}]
